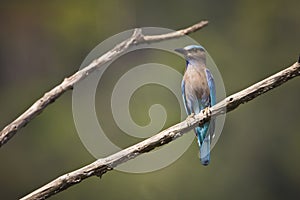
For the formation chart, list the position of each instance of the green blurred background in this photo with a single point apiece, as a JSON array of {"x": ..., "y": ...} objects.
[{"x": 257, "y": 156}]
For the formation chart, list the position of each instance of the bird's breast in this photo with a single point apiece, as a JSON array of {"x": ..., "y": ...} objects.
[{"x": 196, "y": 83}]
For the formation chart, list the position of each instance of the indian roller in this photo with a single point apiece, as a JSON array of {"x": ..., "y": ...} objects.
[{"x": 198, "y": 92}]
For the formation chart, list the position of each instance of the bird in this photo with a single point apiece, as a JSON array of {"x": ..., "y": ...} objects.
[{"x": 198, "y": 93}]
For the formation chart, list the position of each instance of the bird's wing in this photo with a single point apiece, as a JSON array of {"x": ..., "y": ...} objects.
[
  {"x": 184, "y": 97},
  {"x": 212, "y": 87}
]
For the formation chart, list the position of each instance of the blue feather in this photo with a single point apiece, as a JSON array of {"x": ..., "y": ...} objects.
[
  {"x": 183, "y": 97},
  {"x": 212, "y": 87},
  {"x": 190, "y": 47}
]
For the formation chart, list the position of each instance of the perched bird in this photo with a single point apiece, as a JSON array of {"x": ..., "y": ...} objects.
[{"x": 198, "y": 92}]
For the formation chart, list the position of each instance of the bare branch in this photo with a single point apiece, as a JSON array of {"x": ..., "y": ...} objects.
[
  {"x": 176, "y": 34},
  {"x": 101, "y": 166},
  {"x": 137, "y": 38}
]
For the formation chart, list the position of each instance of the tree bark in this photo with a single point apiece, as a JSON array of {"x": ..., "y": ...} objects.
[
  {"x": 101, "y": 166},
  {"x": 137, "y": 38}
]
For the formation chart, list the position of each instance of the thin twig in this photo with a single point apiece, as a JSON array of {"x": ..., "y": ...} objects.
[
  {"x": 137, "y": 38},
  {"x": 101, "y": 166}
]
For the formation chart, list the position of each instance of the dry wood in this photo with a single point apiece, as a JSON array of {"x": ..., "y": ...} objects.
[
  {"x": 101, "y": 166},
  {"x": 137, "y": 38}
]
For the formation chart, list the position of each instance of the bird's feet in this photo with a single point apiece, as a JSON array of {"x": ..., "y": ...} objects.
[
  {"x": 206, "y": 112},
  {"x": 190, "y": 118}
]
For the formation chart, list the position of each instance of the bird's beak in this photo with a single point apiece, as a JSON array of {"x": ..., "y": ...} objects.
[{"x": 181, "y": 50}]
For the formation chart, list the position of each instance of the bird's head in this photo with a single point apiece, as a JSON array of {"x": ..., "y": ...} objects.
[{"x": 193, "y": 52}]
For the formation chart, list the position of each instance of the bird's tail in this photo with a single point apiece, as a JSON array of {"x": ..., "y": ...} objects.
[
  {"x": 204, "y": 135},
  {"x": 205, "y": 151}
]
